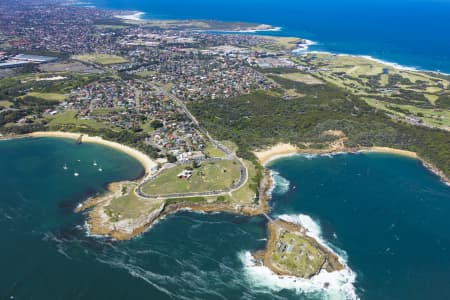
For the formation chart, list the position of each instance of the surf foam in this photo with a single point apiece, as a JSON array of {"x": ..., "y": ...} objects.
[
  {"x": 280, "y": 184},
  {"x": 303, "y": 48},
  {"x": 377, "y": 60},
  {"x": 131, "y": 17},
  {"x": 334, "y": 285}
]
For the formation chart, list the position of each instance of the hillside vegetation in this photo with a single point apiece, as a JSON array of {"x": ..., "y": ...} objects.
[{"x": 261, "y": 119}]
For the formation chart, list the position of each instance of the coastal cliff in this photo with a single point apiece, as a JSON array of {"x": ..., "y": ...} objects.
[
  {"x": 138, "y": 214},
  {"x": 289, "y": 252}
]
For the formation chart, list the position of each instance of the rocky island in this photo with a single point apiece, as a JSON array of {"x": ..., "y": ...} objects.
[{"x": 291, "y": 252}]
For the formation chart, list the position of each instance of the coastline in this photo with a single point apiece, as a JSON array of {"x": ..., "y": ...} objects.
[
  {"x": 148, "y": 164},
  {"x": 99, "y": 224},
  {"x": 255, "y": 29},
  {"x": 286, "y": 150},
  {"x": 137, "y": 16},
  {"x": 377, "y": 60}
]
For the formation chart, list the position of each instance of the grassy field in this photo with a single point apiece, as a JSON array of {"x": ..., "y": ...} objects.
[
  {"x": 300, "y": 258},
  {"x": 431, "y": 117},
  {"x": 101, "y": 59},
  {"x": 145, "y": 74},
  {"x": 230, "y": 145},
  {"x": 292, "y": 93},
  {"x": 278, "y": 43},
  {"x": 301, "y": 77},
  {"x": 364, "y": 76},
  {"x": 130, "y": 206},
  {"x": 47, "y": 96},
  {"x": 212, "y": 151},
  {"x": 69, "y": 118},
  {"x": 5, "y": 103},
  {"x": 111, "y": 27},
  {"x": 208, "y": 177}
]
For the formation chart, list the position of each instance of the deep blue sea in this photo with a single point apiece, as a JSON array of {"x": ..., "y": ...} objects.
[
  {"x": 385, "y": 215},
  {"x": 413, "y": 33}
]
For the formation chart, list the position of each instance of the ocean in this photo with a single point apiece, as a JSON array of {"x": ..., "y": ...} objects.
[
  {"x": 385, "y": 215},
  {"x": 411, "y": 33}
]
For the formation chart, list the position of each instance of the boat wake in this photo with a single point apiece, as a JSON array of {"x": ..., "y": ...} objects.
[{"x": 326, "y": 285}]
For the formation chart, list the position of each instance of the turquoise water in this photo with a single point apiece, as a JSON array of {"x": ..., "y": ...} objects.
[
  {"x": 386, "y": 215},
  {"x": 412, "y": 33}
]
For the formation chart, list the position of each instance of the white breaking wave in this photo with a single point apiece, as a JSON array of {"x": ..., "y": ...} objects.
[
  {"x": 303, "y": 48},
  {"x": 276, "y": 29},
  {"x": 383, "y": 62},
  {"x": 313, "y": 230},
  {"x": 280, "y": 185},
  {"x": 310, "y": 156},
  {"x": 334, "y": 285},
  {"x": 132, "y": 17}
]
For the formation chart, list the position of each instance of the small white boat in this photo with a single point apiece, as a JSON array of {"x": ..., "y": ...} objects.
[
  {"x": 100, "y": 169},
  {"x": 76, "y": 174},
  {"x": 65, "y": 166},
  {"x": 95, "y": 163}
]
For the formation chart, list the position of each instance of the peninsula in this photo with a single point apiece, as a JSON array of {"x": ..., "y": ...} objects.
[{"x": 204, "y": 109}]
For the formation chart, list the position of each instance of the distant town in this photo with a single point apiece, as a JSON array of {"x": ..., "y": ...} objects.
[
  {"x": 102, "y": 69},
  {"x": 135, "y": 73}
]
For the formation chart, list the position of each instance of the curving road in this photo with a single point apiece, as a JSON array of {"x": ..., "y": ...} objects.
[{"x": 243, "y": 176}]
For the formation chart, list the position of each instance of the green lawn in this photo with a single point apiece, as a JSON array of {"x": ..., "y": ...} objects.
[
  {"x": 363, "y": 77},
  {"x": 69, "y": 118},
  {"x": 212, "y": 151},
  {"x": 146, "y": 74},
  {"x": 208, "y": 177},
  {"x": 285, "y": 42},
  {"x": 431, "y": 117},
  {"x": 130, "y": 206},
  {"x": 112, "y": 27},
  {"x": 102, "y": 59},
  {"x": 300, "y": 77},
  {"x": 47, "y": 96},
  {"x": 5, "y": 103}
]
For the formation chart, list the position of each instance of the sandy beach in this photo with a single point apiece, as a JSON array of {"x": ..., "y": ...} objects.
[
  {"x": 146, "y": 161},
  {"x": 391, "y": 151},
  {"x": 275, "y": 152},
  {"x": 284, "y": 150}
]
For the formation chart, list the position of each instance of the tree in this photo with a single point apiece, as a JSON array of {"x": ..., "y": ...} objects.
[
  {"x": 156, "y": 124},
  {"x": 171, "y": 158}
]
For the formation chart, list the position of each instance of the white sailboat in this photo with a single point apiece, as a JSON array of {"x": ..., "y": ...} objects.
[
  {"x": 95, "y": 163},
  {"x": 65, "y": 166}
]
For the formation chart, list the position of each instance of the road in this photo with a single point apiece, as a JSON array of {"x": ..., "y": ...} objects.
[{"x": 243, "y": 176}]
